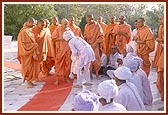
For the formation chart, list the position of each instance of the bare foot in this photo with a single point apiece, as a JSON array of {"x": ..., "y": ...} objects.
[
  {"x": 38, "y": 80},
  {"x": 45, "y": 75},
  {"x": 33, "y": 84},
  {"x": 98, "y": 78},
  {"x": 56, "y": 82},
  {"x": 66, "y": 80},
  {"x": 77, "y": 86},
  {"x": 87, "y": 84},
  {"x": 29, "y": 85}
]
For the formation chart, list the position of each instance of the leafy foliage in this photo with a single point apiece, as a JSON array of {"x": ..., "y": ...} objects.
[{"x": 16, "y": 14}]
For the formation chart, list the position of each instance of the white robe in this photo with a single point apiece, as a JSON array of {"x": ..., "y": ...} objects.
[
  {"x": 133, "y": 43},
  {"x": 129, "y": 97},
  {"x": 84, "y": 56},
  {"x": 112, "y": 107},
  {"x": 146, "y": 87},
  {"x": 82, "y": 50},
  {"x": 135, "y": 79},
  {"x": 113, "y": 60}
]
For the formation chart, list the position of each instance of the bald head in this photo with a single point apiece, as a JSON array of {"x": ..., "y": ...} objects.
[
  {"x": 89, "y": 18},
  {"x": 64, "y": 23},
  {"x": 54, "y": 20},
  {"x": 100, "y": 19},
  {"x": 122, "y": 19},
  {"x": 161, "y": 20},
  {"x": 46, "y": 23},
  {"x": 112, "y": 19},
  {"x": 40, "y": 23},
  {"x": 30, "y": 22},
  {"x": 71, "y": 20}
]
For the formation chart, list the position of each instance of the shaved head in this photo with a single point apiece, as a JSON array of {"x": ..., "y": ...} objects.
[
  {"x": 90, "y": 16},
  {"x": 64, "y": 23}
]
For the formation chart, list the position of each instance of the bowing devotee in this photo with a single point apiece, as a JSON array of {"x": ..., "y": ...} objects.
[
  {"x": 123, "y": 34},
  {"x": 93, "y": 34},
  {"x": 145, "y": 44},
  {"x": 102, "y": 24},
  {"x": 108, "y": 90},
  {"x": 128, "y": 94},
  {"x": 77, "y": 32},
  {"x": 62, "y": 52},
  {"x": 28, "y": 53},
  {"x": 84, "y": 56},
  {"x": 86, "y": 101},
  {"x": 48, "y": 53},
  {"x": 159, "y": 57},
  {"x": 54, "y": 24}
]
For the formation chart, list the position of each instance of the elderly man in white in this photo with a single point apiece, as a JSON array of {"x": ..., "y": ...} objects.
[
  {"x": 84, "y": 55},
  {"x": 108, "y": 90},
  {"x": 86, "y": 101},
  {"x": 128, "y": 95},
  {"x": 148, "y": 99}
]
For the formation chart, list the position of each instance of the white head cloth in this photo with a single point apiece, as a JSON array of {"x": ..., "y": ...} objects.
[
  {"x": 139, "y": 61},
  {"x": 131, "y": 63},
  {"x": 110, "y": 73},
  {"x": 67, "y": 35},
  {"x": 108, "y": 90},
  {"x": 131, "y": 55},
  {"x": 86, "y": 101},
  {"x": 123, "y": 73}
]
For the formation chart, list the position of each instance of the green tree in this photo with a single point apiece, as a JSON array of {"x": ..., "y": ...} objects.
[
  {"x": 82, "y": 23},
  {"x": 16, "y": 14}
]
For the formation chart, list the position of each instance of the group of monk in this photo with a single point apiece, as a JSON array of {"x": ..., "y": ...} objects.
[{"x": 41, "y": 46}]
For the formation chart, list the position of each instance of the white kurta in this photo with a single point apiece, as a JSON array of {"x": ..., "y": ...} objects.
[
  {"x": 146, "y": 87},
  {"x": 112, "y": 107},
  {"x": 84, "y": 56},
  {"x": 82, "y": 50},
  {"x": 104, "y": 60},
  {"x": 135, "y": 79},
  {"x": 129, "y": 98},
  {"x": 113, "y": 60},
  {"x": 133, "y": 43}
]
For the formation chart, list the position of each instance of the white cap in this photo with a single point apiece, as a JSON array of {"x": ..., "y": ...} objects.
[
  {"x": 68, "y": 35},
  {"x": 108, "y": 90},
  {"x": 86, "y": 101},
  {"x": 110, "y": 73},
  {"x": 123, "y": 73},
  {"x": 131, "y": 63}
]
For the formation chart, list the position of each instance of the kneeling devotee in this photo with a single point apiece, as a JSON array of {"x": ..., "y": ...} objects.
[
  {"x": 128, "y": 93},
  {"x": 84, "y": 54},
  {"x": 86, "y": 101},
  {"x": 108, "y": 90}
]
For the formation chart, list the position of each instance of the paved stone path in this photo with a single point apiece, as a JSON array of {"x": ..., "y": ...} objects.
[{"x": 15, "y": 94}]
